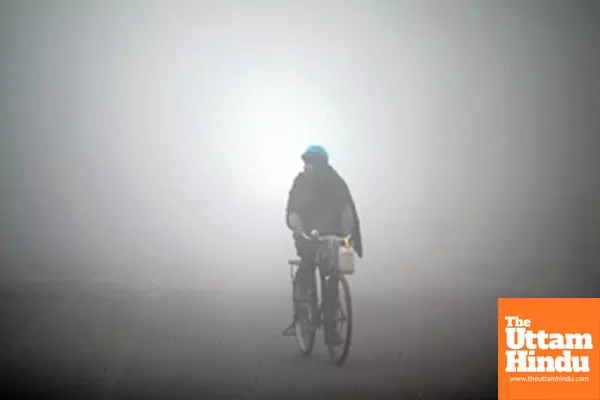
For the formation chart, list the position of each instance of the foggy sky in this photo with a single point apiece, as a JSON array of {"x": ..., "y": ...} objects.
[{"x": 159, "y": 139}]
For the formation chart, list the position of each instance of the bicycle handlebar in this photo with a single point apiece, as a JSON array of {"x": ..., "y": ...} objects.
[{"x": 317, "y": 237}]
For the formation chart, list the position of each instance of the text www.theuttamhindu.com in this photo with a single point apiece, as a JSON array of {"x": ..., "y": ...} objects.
[{"x": 549, "y": 379}]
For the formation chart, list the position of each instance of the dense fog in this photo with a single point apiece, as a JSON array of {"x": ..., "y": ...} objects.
[{"x": 154, "y": 143}]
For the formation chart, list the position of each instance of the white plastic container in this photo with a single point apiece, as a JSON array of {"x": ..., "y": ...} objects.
[{"x": 346, "y": 260}]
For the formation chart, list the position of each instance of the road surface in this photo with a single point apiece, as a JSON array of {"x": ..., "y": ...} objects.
[{"x": 112, "y": 343}]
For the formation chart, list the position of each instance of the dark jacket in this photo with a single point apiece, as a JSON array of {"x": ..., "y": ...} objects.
[{"x": 319, "y": 199}]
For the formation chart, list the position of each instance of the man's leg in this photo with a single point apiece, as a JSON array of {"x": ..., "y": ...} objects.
[
  {"x": 305, "y": 276},
  {"x": 304, "y": 279}
]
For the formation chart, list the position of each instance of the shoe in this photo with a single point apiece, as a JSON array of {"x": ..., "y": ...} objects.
[{"x": 290, "y": 330}]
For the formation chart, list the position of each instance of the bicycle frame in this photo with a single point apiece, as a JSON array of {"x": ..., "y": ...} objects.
[
  {"x": 334, "y": 274},
  {"x": 322, "y": 304},
  {"x": 320, "y": 294}
]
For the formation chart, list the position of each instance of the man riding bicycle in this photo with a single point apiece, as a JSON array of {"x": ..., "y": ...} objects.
[{"x": 319, "y": 200}]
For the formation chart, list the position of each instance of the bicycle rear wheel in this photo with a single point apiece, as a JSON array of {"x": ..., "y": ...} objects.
[{"x": 338, "y": 354}]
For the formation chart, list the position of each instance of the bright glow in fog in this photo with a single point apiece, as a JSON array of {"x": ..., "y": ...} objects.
[{"x": 273, "y": 133}]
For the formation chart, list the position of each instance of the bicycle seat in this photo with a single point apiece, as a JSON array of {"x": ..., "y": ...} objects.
[{"x": 294, "y": 261}]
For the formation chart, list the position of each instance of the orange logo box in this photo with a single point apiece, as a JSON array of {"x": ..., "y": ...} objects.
[{"x": 549, "y": 349}]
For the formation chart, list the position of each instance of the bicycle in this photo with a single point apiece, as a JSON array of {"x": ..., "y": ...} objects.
[{"x": 309, "y": 315}]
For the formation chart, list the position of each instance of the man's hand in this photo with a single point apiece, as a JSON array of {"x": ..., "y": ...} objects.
[{"x": 295, "y": 222}]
